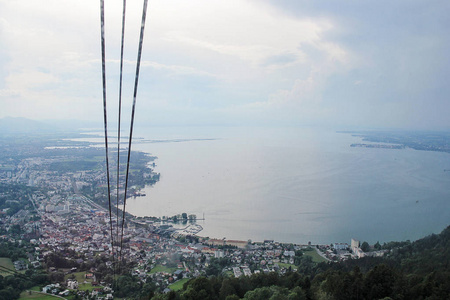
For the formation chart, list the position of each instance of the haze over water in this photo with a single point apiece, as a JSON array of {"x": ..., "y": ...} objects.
[{"x": 294, "y": 185}]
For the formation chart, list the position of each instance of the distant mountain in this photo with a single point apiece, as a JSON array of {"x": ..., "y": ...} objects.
[
  {"x": 11, "y": 125},
  {"x": 22, "y": 125},
  {"x": 70, "y": 125}
]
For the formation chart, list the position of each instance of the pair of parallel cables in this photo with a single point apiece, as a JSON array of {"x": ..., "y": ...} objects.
[{"x": 136, "y": 79}]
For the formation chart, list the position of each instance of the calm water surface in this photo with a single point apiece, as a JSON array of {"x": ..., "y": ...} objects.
[{"x": 294, "y": 185}]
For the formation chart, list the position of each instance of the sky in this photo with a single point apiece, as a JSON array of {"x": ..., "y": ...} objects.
[{"x": 374, "y": 64}]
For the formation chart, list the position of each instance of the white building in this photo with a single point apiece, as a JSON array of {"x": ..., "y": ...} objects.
[
  {"x": 219, "y": 254},
  {"x": 356, "y": 250},
  {"x": 354, "y": 244},
  {"x": 340, "y": 246}
]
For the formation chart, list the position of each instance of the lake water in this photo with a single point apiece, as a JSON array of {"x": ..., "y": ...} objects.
[{"x": 294, "y": 185}]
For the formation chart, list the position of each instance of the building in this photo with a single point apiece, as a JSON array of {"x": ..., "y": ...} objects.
[
  {"x": 356, "y": 250},
  {"x": 359, "y": 253},
  {"x": 340, "y": 246},
  {"x": 20, "y": 265},
  {"x": 72, "y": 284},
  {"x": 219, "y": 254},
  {"x": 354, "y": 244},
  {"x": 216, "y": 242},
  {"x": 239, "y": 244}
]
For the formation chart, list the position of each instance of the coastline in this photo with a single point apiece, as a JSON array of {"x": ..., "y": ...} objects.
[{"x": 305, "y": 211}]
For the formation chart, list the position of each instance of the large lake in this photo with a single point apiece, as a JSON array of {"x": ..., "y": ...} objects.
[{"x": 294, "y": 185}]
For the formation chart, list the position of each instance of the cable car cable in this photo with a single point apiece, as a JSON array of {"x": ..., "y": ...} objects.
[
  {"x": 136, "y": 79},
  {"x": 105, "y": 121},
  {"x": 119, "y": 118}
]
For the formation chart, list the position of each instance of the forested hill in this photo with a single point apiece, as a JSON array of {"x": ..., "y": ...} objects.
[
  {"x": 418, "y": 270},
  {"x": 427, "y": 255}
]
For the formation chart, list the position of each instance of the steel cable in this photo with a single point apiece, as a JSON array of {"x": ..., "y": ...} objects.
[
  {"x": 105, "y": 121},
  {"x": 136, "y": 79}
]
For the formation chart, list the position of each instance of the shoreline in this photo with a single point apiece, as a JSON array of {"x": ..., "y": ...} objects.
[{"x": 214, "y": 225}]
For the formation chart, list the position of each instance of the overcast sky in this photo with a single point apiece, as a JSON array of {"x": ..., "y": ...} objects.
[{"x": 338, "y": 63}]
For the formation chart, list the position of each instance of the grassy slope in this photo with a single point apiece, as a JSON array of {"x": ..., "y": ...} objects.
[
  {"x": 7, "y": 263},
  {"x": 314, "y": 255},
  {"x": 35, "y": 296},
  {"x": 178, "y": 285},
  {"x": 160, "y": 268}
]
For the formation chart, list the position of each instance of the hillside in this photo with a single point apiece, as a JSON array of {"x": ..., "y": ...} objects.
[
  {"x": 419, "y": 270},
  {"x": 13, "y": 126}
]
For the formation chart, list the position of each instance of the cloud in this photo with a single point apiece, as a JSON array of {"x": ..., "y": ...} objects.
[
  {"x": 173, "y": 69},
  {"x": 30, "y": 79},
  {"x": 280, "y": 60},
  {"x": 9, "y": 93},
  {"x": 249, "y": 60},
  {"x": 252, "y": 33}
]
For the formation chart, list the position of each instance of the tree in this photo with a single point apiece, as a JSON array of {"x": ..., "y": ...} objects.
[
  {"x": 40, "y": 279},
  {"x": 297, "y": 294},
  {"x": 379, "y": 282},
  {"x": 15, "y": 229},
  {"x": 56, "y": 277},
  {"x": 227, "y": 289},
  {"x": 127, "y": 286},
  {"x": 377, "y": 246},
  {"x": 365, "y": 247},
  {"x": 148, "y": 290},
  {"x": 213, "y": 269},
  {"x": 273, "y": 292},
  {"x": 198, "y": 288},
  {"x": 259, "y": 293}
]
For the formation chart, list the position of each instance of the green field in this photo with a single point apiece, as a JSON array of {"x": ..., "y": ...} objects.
[
  {"x": 229, "y": 273},
  {"x": 314, "y": 255},
  {"x": 80, "y": 277},
  {"x": 36, "y": 296},
  {"x": 161, "y": 268},
  {"x": 7, "y": 263},
  {"x": 178, "y": 285}
]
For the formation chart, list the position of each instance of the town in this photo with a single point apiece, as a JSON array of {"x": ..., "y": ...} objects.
[{"x": 55, "y": 207}]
